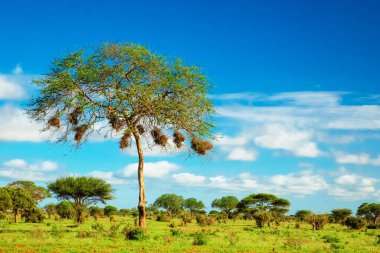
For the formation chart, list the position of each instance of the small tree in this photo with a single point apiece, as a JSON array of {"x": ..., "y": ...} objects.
[
  {"x": 131, "y": 90},
  {"x": 226, "y": 204},
  {"x": 21, "y": 200},
  {"x": 193, "y": 205},
  {"x": 340, "y": 215},
  {"x": 355, "y": 222},
  {"x": 110, "y": 210},
  {"x": 172, "y": 203},
  {"x": 5, "y": 200},
  {"x": 265, "y": 202},
  {"x": 65, "y": 210},
  {"x": 38, "y": 193},
  {"x": 81, "y": 192},
  {"x": 50, "y": 209},
  {"x": 317, "y": 221},
  {"x": 96, "y": 211},
  {"x": 301, "y": 215},
  {"x": 371, "y": 212}
]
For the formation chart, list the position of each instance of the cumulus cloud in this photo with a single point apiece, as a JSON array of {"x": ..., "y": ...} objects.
[
  {"x": 16, "y": 126},
  {"x": 242, "y": 154},
  {"x": 360, "y": 159},
  {"x": 19, "y": 169},
  {"x": 157, "y": 170},
  {"x": 10, "y": 89}
]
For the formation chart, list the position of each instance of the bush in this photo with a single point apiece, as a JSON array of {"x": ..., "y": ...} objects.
[
  {"x": 355, "y": 222},
  {"x": 110, "y": 210},
  {"x": 330, "y": 239},
  {"x": 176, "y": 232},
  {"x": 113, "y": 230},
  {"x": 318, "y": 221},
  {"x": 84, "y": 234},
  {"x": 134, "y": 233},
  {"x": 97, "y": 227},
  {"x": 38, "y": 234},
  {"x": 56, "y": 231},
  {"x": 199, "y": 239},
  {"x": 262, "y": 218},
  {"x": 204, "y": 220},
  {"x": 3, "y": 215},
  {"x": 34, "y": 215},
  {"x": 163, "y": 218}
]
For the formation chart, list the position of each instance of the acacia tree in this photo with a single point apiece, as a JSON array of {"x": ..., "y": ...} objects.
[
  {"x": 226, "y": 204},
  {"x": 340, "y": 215},
  {"x": 172, "y": 203},
  {"x": 81, "y": 192},
  {"x": 21, "y": 200},
  {"x": 193, "y": 205},
  {"x": 126, "y": 89},
  {"x": 38, "y": 193}
]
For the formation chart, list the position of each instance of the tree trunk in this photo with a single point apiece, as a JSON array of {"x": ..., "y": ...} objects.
[
  {"x": 16, "y": 215},
  {"x": 140, "y": 175}
]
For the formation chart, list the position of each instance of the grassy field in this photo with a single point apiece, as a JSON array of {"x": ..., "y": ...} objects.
[{"x": 234, "y": 236}]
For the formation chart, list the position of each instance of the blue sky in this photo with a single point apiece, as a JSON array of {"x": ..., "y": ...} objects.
[{"x": 296, "y": 85}]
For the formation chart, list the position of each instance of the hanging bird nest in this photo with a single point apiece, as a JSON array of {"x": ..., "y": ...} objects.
[
  {"x": 159, "y": 137},
  {"x": 73, "y": 117},
  {"x": 140, "y": 129},
  {"x": 201, "y": 146},
  {"x": 125, "y": 141},
  {"x": 79, "y": 132},
  {"x": 116, "y": 122},
  {"x": 179, "y": 138},
  {"x": 54, "y": 122}
]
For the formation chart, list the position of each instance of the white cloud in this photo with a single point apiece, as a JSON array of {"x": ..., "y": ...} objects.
[
  {"x": 189, "y": 179},
  {"x": 353, "y": 187},
  {"x": 276, "y": 136},
  {"x": 109, "y": 177},
  {"x": 151, "y": 169},
  {"x": 16, "y": 126},
  {"x": 242, "y": 154},
  {"x": 10, "y": 89},
  {"x": 19, "y": 169},
  {"x": 360, "y": 159},
  {"x": 17, "y": 70},
  {"x": 308, "y": 98}
]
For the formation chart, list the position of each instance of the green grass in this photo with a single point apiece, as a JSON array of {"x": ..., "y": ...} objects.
[{"x": 234, "y": 236}]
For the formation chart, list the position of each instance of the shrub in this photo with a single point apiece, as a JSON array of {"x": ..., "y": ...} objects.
[
  {"x": 232, "y": 238},
  {"x": 3, "y": 215},
  {"x": 176, "y": 232},
  {"x": 38, "y": 234},
  {"x": 204, "y": 220},
  {"x": 113, "y": 230},
  {"x": 199, "y": 239},
  {"x": 84, "y": 234},
  {"x": 34, "y": 215},
  {"x": 134, "y": 233},
  {"x": 163, "y": 218},
  {"x": 355, "y": 222},
  {"x": 110, "y": 210},
  {"x": 97, "y": 227},
  {"x": 262, "y": 218},
  {"x": 330, "y": 239},
  {"x": 318, "y": 221},
  {"x": 56, "y": 231}
]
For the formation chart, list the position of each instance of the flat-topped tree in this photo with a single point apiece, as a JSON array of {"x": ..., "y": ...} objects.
[{"x": 132, "y": 90}]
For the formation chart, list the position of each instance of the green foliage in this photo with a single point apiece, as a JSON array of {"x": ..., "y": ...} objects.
[
  {"x": 5, "y": 200},
  {"x": 199, "y": 238},
  {"x": 371, "y": 212},
  {"x": 226, "y": 204},
  {"x": 262, "y": 218},
  {"x": 96, "y": 211},
  {"x": 172, "y": 203},
  {"x": 21, "y": 200},
  {"x": 34, "y": 215},
  {"x": 265, "y": 202},
  {"x": 204, "y": 220},
  {"x": 124, "y": 84},
  {"x": 355, "y": 222},
  {"x": 38, "y": 193},
  {"x": 110, "y": 210},
  {"x": 330, "y": 239},
  {"x": 340, "y": 215},
  {"x": 81, "y": 191},
  {"x": 175, "y": 232},
  {"x": 65, "y": 210},
  {"x": 317, "y": 221},
  {"x": 302, "y": 214},
  {"x": 193, "y": 205},
  {"x": 50, "y": 209},
  {"x": 134, "y": 233}
]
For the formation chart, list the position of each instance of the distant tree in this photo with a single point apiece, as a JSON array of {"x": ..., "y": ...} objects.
[
  {"x": 172, "y": 203},
  {"x": 50, "y": 209},
  {"x": 81, "y": 192},
  {"x": 65, "y": 210},
  {"x": 5, "y": 200},
  {"x": 226, "y": 204},
  {"x": 110, "y": 210},
  {"x": 302, "y": 214},
  {"x": 96, "y": 211},
  {"x": 133, "y": 91},
  {"x": 317, "y": 221},
  {"x": 34, "y": 215},
  {"x": 371, "y": 212},
  {"x": 124, "y": 212},
  {"x": 340, "y": 215},
  {"x": 193, "y": 205},
  {"x": 21, "y": 200},
  {"x": 355, "y": 222},
  {"x": 38, "y": 193}
]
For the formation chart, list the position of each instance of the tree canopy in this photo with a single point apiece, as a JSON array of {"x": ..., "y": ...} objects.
[
  {"x": 340, "y": 215},
  {"x": 172, "y": 203},
  {"x": 370, "y": 211},
  {"x": 5, "y": 200},
  {"x": 38, "y": 193},
  {"x": 81, "y": 192},
  {"x": 125, "y": 90},
  {"x": 264, "y": 202},
  {"x": 21, "y": 200},
  {"x": 193, "y": 205},
  {"x": 226, "y": 204}
]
